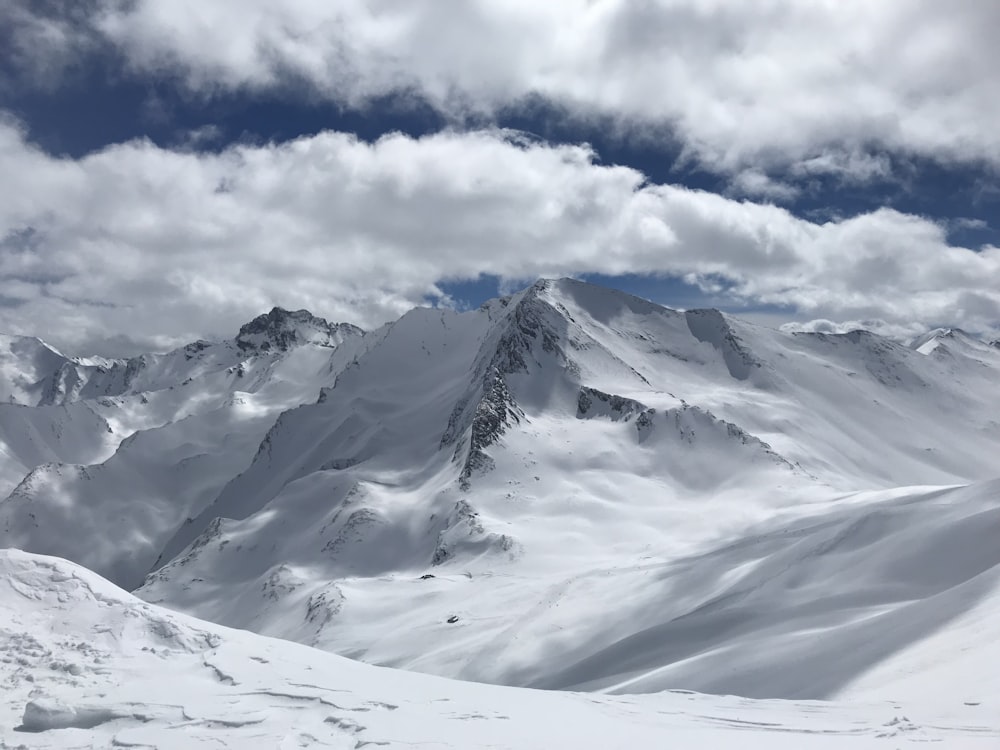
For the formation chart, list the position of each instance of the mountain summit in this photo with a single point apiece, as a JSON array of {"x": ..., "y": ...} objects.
[{"x": 280, "y": 329}]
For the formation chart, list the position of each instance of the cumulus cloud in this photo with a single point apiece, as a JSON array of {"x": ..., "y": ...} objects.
[
  {"x": 964, "y": 222},
  {"x": 152, "y": 242},
  {"x": 801, "y": 85},
  {"x": 41, "y": 42},
  {"x": 754, "y": 183}
]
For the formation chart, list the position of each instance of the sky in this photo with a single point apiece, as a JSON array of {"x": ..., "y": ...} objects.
[{"x": 172, "y": 169}]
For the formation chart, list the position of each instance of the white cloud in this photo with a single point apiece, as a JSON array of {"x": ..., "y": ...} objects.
[
  {"x": 813, "y": 85},
  {"x": 850, "y": 166},
  {"x": 149, "y": 242},
  {"x": 756, "y": 184},
  {"x": 966, "y": 223},
  {"x": 898, "y": 331},
  {"x": 41, "y": 49}
]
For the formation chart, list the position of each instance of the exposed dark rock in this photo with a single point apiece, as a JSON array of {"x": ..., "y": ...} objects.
[
  {"x": 279, "y": 584},
  {"x": 354, "y": 531},
  {"x": 592, "y": 402},
  {"x": 495, "y": 408},
  {"x": 194, "y": 348},
  {"x": 464, "y": 530},
  {"x": 339, "y": 464},
  {"x": 280, "y": 329},
  {"x": 495, "y": 412},
  {"x": 323, "y": 606}
]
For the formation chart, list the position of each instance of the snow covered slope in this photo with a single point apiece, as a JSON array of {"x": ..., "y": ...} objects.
[
  {"x": 107, "y": 481},
  {"x": 68, "y": 433},
  {"x": 84, "y": 664},
  {"x": 567, "y": 488},
  {"x": 27, "y": 368}
]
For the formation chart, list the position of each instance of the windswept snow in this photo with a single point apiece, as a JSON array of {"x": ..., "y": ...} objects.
[{"x": 84, "y": 664}]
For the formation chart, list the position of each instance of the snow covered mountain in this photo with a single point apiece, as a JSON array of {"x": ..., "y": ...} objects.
[
  {"x": 568, "y": 488},
  {"x": 109, "y": 473}
]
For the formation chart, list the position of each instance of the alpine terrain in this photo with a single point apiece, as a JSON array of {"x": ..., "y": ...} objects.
[{"x": 686, "y": 529}]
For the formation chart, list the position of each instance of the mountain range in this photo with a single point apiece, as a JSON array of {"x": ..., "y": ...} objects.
[{"x": 568, "y": 488}]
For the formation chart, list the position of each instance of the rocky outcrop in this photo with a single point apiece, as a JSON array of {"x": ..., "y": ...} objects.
[
  {"x": 594, "y": 403},
  {"x": 464, "y": 531},
  {"x": 691, "y": 423},
  {"x": 489, "y": 408},
  {"x": 495, "y": 412},
  {"x": 279, "y": 330}
]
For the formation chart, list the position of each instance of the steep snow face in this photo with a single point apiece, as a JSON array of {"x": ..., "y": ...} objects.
[
  {"x": 84, "y": 664},
  {"x": 599, "y": 492},
  {"x": 27, "y": 367}
]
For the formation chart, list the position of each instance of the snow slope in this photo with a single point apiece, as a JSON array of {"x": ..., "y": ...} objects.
[
  {"x": 84, "y": 664},
  {"x": 67, "y": 433}
]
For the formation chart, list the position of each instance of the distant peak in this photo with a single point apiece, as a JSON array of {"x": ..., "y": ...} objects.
[
  {"x": 279, "y": 329},
  {"x": 934, "y": 339},
  {"x": 23, "y": 344}
]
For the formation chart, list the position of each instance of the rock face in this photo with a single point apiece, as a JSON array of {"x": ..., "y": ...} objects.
[
  {"x": 496, "y": 411},
  {"x": 279, "y": 329},
  {"x": 489, "y": 408},
  {"x": 592, "y": 402}
]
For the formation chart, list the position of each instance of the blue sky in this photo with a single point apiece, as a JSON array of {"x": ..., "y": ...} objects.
[{"x": 781, "y": 166}]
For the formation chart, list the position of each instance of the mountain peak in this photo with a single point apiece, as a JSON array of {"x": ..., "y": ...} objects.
[
  {"x": 933, "y": 340},
  {"x": 280, "y": 329}
]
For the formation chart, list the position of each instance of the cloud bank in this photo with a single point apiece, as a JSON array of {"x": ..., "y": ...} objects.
[
  {"x": 166, "y": 245},
  {"x": 809, "y": 86}
]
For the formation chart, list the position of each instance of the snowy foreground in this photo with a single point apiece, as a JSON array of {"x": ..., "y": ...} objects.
[{"x": 84, "y": 664}]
